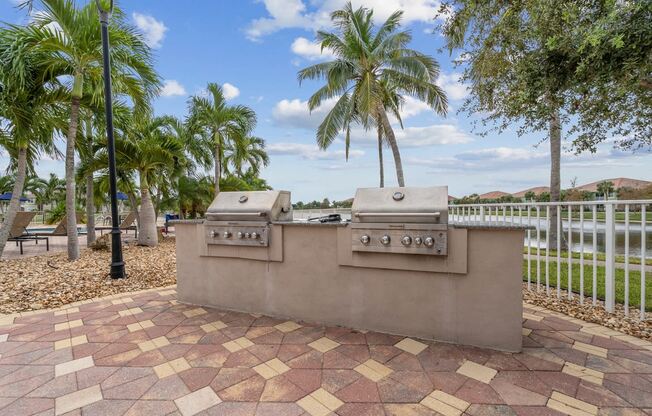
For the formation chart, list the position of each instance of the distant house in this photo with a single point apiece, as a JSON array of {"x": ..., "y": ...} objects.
[
  {"x": 493, "y": 195},
  {"x": 618, "y": 183},
  {"x": 537, "y": 190}
]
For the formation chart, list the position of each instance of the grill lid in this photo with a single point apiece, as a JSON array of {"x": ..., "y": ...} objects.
[
  {"x": 408, "y": 205},
  {"x": 251, "y": 206}
]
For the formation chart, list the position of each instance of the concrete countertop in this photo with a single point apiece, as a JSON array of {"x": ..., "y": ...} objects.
[{"x": 467, "y": 225}]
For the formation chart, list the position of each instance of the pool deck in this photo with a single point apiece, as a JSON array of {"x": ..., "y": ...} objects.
[{"x": 147, "y": 354}]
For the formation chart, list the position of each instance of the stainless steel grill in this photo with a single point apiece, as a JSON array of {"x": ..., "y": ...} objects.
[
  {"x": 400, "y": 220},
  {"x": 243, "y": 218}
]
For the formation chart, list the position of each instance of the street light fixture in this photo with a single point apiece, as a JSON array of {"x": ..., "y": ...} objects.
[{"x": 117, "y": 262}]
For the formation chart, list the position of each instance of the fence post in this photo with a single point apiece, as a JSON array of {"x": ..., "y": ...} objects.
[
  {"x": 610, "y": 249},
  {"x": 481, "y": 213}
]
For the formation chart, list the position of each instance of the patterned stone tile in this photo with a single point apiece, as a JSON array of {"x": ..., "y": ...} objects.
[
  {"x": 197, "y": 401},
  {"x": 584, "y": 373},
  {"x": 77, "y": 399},
  {"x": 412, "y": 346},
  {"x": 271, "y": 368},
  {"x": 288, "y": 326},
  {"x": 238, "y": 344},
  {"x": 324, "y": 344},
  {"x": 373, "y": 370},
  {"x": 320, "y": 403},
  {"x": 570, "y": 406},
  {"x": 444, "y": 403},
  {"x": 73, "y": 366},
  {"x": 477, "y": 372}
]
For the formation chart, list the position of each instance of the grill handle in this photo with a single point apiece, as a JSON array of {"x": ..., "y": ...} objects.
[{"x": 393, "y": 214}]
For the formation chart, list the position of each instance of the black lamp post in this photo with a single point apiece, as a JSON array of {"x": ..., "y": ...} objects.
[{"x": 117, "y": 263}]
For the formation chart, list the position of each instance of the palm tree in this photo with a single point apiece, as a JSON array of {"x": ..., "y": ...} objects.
[
  {"x": 53, "y": 191},
  {"x": 28, "y": 113},
  {"x": 150, "y": 149},
  {"x": 246, "y": 153},
  {"x": 605, "y": 188},
  {"x": 367, "y": 58},
  {"x": 74, "y": 49},
  {"x": 220, "y": 122}
]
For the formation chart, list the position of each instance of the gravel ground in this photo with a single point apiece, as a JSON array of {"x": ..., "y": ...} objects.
[
  {"x": 630, "y": 325},
  {"x": 44, "y": 282}
]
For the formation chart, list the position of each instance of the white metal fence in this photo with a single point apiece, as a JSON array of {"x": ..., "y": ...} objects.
[{"x": 606, "y": 247}]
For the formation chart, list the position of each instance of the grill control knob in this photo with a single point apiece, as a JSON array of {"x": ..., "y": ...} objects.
[
  {"x": 385, "y": 240},
  {"x": 247, "y": 235},
  {"x": 406, "y": 240},
  {"x": 418, "y": 241},
  {"x": 240, "y": 234},
  {"x": 365, "y": 239},
  {"x": 255, "y": 235},
  {"x": 227, "y": 234},
  {"x": 213, "y": 234},
  {"x": 429, "y": 241}
]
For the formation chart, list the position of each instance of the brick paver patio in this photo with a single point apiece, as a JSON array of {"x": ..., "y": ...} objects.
[{"x": 147, "y": 354}]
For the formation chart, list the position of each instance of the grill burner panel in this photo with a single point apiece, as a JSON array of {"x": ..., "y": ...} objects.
[
  {"x": 411, "y": 239},
  {"x": 237, "y": 234},
  {"x": 400, "y": 220}
]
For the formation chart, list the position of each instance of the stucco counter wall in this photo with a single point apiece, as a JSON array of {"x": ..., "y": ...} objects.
[{"x": 472, "y": 296}]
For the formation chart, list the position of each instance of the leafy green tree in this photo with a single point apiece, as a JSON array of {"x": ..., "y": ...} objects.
[
  {"x": 541, "y": 64},
  {"x": 70, "y": 36},
  {"x": 29, "y": 113},
  {"x": 367, "y": 60},
  {"x": 222, "y": 123},
  {"x": 530, "y": 196}
]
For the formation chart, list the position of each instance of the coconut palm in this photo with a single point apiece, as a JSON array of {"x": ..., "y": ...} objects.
[
  {"x": 71, "y": 37},
  {"x": 365, "y": 58},
  {"x": 150, "y": 149},
  {"x": 29, "y": 113},
  {"x": 53, "y": 191},
  {"x": 220, "y": 122},
  {"x": 246, "y": 153}
]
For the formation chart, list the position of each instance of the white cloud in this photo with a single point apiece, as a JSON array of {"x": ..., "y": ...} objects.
[
  {"x": 230, "y": 91},
  {"x": 153, "y": 30},
  {"x": 309, "y": 151},
  {"x": 451, "y": 84},
  {"x": 433, "y": 135},
  {"x": 309, "y": 50},
  {"x": 172, "y": 88},
  {"x": 283, "y": 14},
  {"x": 509, "y": 159},
  {"x": 413, "y": 106},
  {"x": 295, "y": 113}
]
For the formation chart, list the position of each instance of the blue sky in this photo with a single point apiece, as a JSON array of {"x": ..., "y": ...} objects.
[{"x": 255, "y": 47}]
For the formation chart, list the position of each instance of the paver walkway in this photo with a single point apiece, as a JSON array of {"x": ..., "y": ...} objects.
[{"x": 147, "y": 354}]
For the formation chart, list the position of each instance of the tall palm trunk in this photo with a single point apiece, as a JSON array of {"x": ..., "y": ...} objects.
[
  {"x": 380, "y": 157},
  {"x": 71, "y": 215},
  {"x": 147, "y": 235},
  {"x": 90, "y": 201},
  {"x": 14, "y": 203},
  {"x": 555, "y": 174},
  {"x": 218, "y": 168},
  {"x": 391, "y": 139}
]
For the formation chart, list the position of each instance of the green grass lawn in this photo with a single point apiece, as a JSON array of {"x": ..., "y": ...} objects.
[
  {"x": 634, "y": 282},
  {"x": 587, "y": 256}
]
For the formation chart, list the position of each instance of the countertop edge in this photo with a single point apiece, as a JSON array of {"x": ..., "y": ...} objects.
[{"x": 466, "y": 225}]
